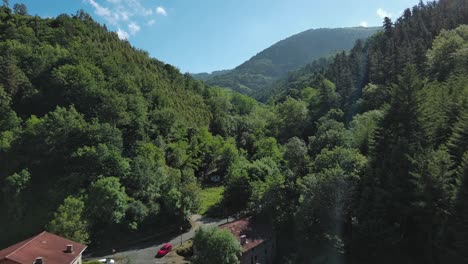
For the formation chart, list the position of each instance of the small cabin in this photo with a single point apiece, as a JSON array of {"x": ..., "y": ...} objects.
[
  {"x": 215, "y": 178},
  {"x": 256, "y": 238},
  {"x": 44, "y": 248}
]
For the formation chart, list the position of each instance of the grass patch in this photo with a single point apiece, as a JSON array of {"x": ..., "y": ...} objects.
[
  {"x": 186, "y": 249},
  {"x": 210, "y": 197}
]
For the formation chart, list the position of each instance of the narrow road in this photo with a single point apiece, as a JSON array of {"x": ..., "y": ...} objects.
[{"x": 147, "y": 255}]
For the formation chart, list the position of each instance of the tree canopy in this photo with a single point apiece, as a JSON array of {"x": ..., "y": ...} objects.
[{"x": 213, "y": 245}]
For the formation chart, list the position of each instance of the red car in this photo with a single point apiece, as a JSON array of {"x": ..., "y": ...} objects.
[{"x": 164, "y": 250}]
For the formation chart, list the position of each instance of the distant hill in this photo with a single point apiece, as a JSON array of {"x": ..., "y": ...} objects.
[
  {"x": 203, "y": 76},
  {"x": 289, "y": 54}
]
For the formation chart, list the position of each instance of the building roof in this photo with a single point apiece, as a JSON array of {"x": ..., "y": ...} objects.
[
  {"x": 49, "y": 246},
  {"x": 256, "y": 233}
]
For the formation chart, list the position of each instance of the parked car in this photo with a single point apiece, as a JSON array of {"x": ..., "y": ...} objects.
[
  {"x": 107, "y": 261},
  {"x": 164, "y": 250}
]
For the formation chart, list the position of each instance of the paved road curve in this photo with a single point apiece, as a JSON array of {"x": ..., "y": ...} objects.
[{"x": 147, "y": 255}]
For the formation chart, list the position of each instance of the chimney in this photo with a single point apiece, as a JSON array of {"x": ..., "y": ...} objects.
[
  {"x": 39, "y": 260},
  {"x": 243, "y": 240},
  {"x": 69, "y": 249}
]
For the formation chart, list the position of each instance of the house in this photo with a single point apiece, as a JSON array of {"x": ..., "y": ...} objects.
[
  {"x": 44, "y": 248},
  {"x": 257, "y": 240},
  {"x": 215, "y": 178}
]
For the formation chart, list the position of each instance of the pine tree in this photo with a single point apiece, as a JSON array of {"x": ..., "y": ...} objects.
[
  {"x": 455, "y": 238},
  {"x": 390, "y": 188},
  {"x": 388, "y": 27},
  {"x": 458, "y": 142},
  {"x": 461, "y": 211}
]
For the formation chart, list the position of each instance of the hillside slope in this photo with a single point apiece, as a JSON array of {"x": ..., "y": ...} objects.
[
  {"x": 82, "y": 112},
  {"x": 289, "y": 54}
]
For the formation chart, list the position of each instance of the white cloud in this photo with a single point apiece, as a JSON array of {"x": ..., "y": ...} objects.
[
  {"x": 134, "y": 28},
  {"x": 382, "y": 13},
  {"x": 122, "y": 34},
  {"x": 123, "y": 15},
  {"x": 148, "y": 12},
  {"x": 126, "y": 14},
  {"x": 108, "y": 15},
  {"x": 364, "y": 24},
  {"x": 100, "y": 10},
  {"x": 161, "y": 11}
]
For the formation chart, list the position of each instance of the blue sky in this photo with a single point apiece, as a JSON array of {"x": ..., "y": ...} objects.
[{"x": 207, "y": 35}]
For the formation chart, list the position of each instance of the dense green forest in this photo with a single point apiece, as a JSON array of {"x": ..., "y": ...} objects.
[
  {"x": 91, "y": 126},
  {"x": 357, "y": 158},
  {"x": 263, "y": 69}
]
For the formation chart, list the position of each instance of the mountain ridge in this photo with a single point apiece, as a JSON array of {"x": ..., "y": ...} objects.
[{"x": 288, "y": 54}]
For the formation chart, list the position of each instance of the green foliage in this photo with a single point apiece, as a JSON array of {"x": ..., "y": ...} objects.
[
  {"x": 242, "y": 104},
  {"x": 330, "y": 133},
  {"x": 448, "y": 54},
  {"x": 461, "y": 215},
  {"x": 107, "y": 201},
  {"x": 458, "y": 142},
  {"x": 137, "y": 212},
  {"x": 6, "y": 138},
  {"x": 20, "y": 9},
  {"x": 69, "y": 221},
  {"x": 213, "y": 245},
  {"x": 443, "y": 104},
  {"x": 182, "y": 193},
  {"x": 267, "y": 147},
  {"x": 104, "y": 159},
  {"x": 350, "y": 160},
  {"x": 402, "y": 123},
  {"x": 146, "y": 176},
  {"x": 374, "y": 96},
  {"x": 295, "y": 154},
  {"x": 17, "y": 182},
  {"x": 237, "y": 186},
  {"x": 363, "y": 128},
  {"x": 325, "y": 207},
  {"x": 265, "y": 197},
  {"x": 9, "y": 119},
  {"x": 436, "y": 184},
  {"x": 292, "y": 116},
  {"x": 327, "y": 200},
  {"x": 251, "y": 182}
]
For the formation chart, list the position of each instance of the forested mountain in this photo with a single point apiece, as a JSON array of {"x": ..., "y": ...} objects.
[
  {"x": 261, "y": 70},
  {"x": 359, "y": 158},
  {"x": 86, "y": 117}
]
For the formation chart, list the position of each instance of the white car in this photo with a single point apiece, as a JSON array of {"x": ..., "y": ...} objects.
[{"x": 107, "y": 261}]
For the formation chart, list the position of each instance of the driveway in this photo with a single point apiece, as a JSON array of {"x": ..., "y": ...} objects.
[{"x": 147, "y": 255}]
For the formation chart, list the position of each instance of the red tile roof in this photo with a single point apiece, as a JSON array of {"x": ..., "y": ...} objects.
[
  {"x": 49, "y": 246},
  {"x": 255, "y": 233}
]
